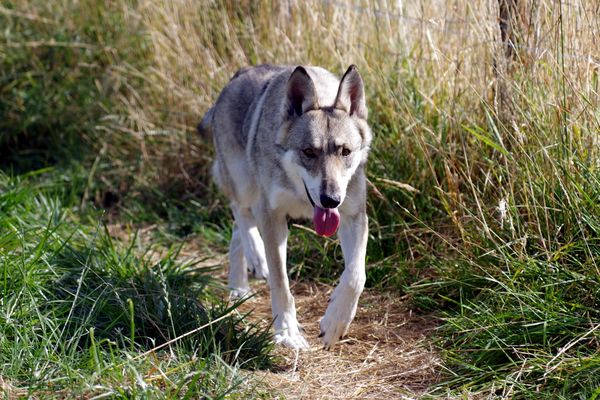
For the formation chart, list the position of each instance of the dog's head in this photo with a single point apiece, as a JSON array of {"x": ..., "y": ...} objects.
[{"x": 328, "y": 141}]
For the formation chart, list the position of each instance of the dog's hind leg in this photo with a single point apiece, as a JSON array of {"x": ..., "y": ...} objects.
[
  {"x": 238, "y": 274},
  {"x": 254, "y": 248}
]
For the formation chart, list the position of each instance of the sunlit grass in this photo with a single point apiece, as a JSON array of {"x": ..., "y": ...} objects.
[{"x": 500, "y": 235}]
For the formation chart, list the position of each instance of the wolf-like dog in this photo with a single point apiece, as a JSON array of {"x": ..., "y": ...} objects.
[{"x": 292, "y": 142}]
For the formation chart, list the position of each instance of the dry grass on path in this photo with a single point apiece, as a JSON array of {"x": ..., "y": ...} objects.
[{"x": 386, "y": 354}]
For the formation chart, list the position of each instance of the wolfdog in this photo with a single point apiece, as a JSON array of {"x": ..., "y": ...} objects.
[{"x": 292, "y": 142}]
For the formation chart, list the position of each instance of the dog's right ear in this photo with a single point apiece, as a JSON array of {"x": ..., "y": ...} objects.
[
  {"x": 301, "y": 93},
  {"x": 351, "y": 94}
]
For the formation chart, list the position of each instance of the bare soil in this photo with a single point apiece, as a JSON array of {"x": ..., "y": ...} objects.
[{"x": 386, "y": 355}]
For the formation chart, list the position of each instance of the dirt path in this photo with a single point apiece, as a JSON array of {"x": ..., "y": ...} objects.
[{"x": 385, "y": 356}]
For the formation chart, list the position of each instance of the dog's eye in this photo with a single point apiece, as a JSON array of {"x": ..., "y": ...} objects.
[
  {"x": 346, "y": 152},
  {"x": 308, "y": 152}
]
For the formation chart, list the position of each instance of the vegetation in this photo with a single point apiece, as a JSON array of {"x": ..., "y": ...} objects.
[{"x": 484, "y": 198}]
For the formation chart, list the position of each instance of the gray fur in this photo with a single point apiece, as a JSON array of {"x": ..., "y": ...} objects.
[{"x": 280, "y": 131}]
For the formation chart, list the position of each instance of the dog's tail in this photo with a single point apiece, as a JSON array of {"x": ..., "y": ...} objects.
[{"x": 205, "y": 126}]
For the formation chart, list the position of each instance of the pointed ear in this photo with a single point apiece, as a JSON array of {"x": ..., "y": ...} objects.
[
  {"x": 351, "y": 94},
  {"x": 301, "y": 93}
]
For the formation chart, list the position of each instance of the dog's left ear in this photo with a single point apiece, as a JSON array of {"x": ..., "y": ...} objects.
[{"x": 351, "y": 94}]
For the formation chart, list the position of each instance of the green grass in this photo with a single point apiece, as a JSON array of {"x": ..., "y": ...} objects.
[
  {"x": 500, "y": 237},
  {"x": 81, "y": 314}
]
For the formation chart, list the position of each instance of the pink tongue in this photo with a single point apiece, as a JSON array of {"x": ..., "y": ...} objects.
[{"x": 326, "y": 220}]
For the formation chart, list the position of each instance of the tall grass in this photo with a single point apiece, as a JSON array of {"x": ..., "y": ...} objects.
[{"x": 484, "y": 195}]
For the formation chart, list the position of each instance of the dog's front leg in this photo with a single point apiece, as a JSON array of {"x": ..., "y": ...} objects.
[
  {"x": 274, "y": 231},
  {"x": 353, "y": 234}
]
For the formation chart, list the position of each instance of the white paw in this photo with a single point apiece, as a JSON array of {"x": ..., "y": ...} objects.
[
  {"x": 239, "y": 292},
  {"x": 339, "y": 315},
  {"x": 287, "y": 331},
  {"x": 293, "y": 341}
]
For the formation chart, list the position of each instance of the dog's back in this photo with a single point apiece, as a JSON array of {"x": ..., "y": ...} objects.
[
  {"x": 234, "y": 105},
  {"x": 225, "y": 124}
]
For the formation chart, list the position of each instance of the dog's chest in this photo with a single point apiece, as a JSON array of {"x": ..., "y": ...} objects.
[{"x": 287, "y": 201}]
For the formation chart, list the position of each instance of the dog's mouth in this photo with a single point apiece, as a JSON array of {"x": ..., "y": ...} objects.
[{"x": 325, "y": 220}]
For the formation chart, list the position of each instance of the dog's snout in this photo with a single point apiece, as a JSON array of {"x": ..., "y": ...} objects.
[{"x": 330, "y": 201}]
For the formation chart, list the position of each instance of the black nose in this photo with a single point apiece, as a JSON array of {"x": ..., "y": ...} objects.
[{"x": 330, "y": 201}]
